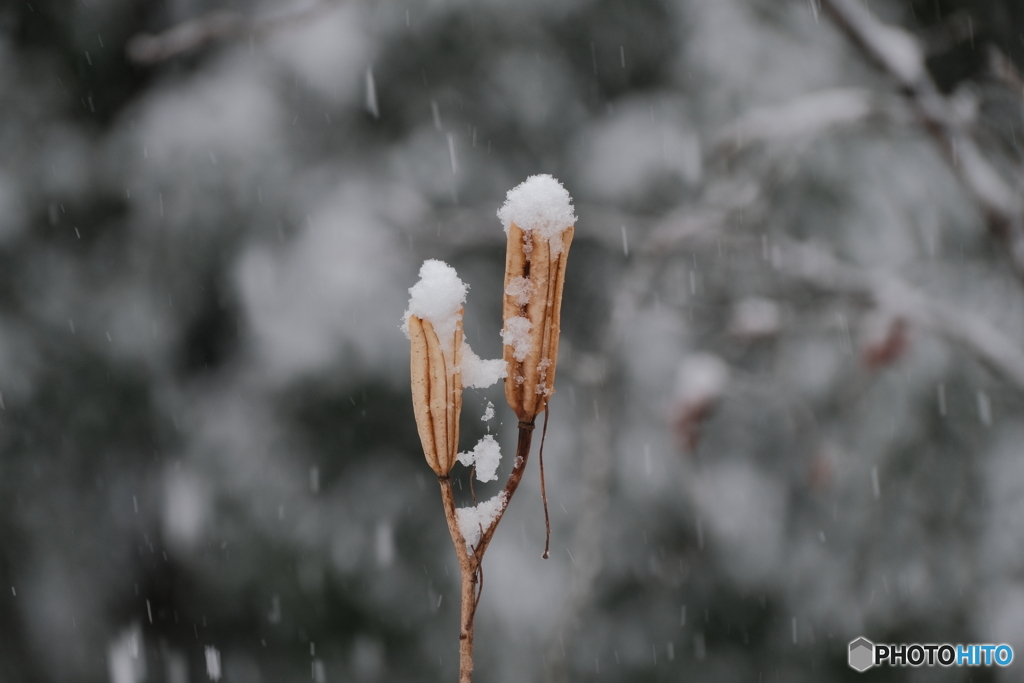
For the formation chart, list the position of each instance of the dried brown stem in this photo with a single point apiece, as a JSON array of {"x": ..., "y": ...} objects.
[
  {"x": 468, "y": 571},
  {"x": 471, "y": 561},
  {"x": 518, "y": 468},
  {"x": 543, "y": 489}
]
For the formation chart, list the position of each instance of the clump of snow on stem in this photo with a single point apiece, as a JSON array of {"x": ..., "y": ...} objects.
[
  {"x": 486, "y": 456},
  {"x": 539, "y": 204},
  {"x": 438, "y": 297},
  {"x": 480, "y": 373},
  {"x": 488, "y": 413},
  {"x": 516, "y": 334},
  {"x": 520, "y": 289},
  {"x": 473, "y": 521}
]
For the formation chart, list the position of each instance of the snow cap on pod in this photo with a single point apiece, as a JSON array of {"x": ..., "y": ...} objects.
[
  {"x": 438, "y": 298},
  {"x": 433, "y": 324},
  {"x": 539, "y": 204}
]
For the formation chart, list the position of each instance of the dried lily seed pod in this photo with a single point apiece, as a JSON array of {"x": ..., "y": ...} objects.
[
  {"x": 433, "y": 323},
  {"x": 534, "y": 279},
  {"x": 538, "y": 218},
  {"x": 436, "y": 392}
]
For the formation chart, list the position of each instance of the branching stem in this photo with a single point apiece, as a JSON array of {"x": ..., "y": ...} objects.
[{"x": 471, "y": 559}]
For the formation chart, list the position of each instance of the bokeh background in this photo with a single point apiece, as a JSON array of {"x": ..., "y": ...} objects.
[{"x": 788, "y": 406}]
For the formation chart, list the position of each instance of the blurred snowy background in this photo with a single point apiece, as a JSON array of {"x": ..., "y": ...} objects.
[{"x": 789, "y": 405}]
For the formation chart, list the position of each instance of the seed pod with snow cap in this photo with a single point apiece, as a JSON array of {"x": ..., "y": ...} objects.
[
  {"x": 433, "y": 324},
  {"x": 538, "y": 219}
]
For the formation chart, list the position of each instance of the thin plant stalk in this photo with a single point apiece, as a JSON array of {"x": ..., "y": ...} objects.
[
  {"x": 470, "y": 563},
  {"x": 543, "y": 488}
]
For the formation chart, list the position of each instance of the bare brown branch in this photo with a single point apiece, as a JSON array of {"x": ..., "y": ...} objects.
[
  {"x": 518, "y": 468},
  {"x": 468, "y": 570},
  {"x": 471, "y": 560},
  {"x": 898, "y": 53}
]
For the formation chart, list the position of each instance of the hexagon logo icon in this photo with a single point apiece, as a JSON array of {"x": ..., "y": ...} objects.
[{"x": 862, "y": 654}]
